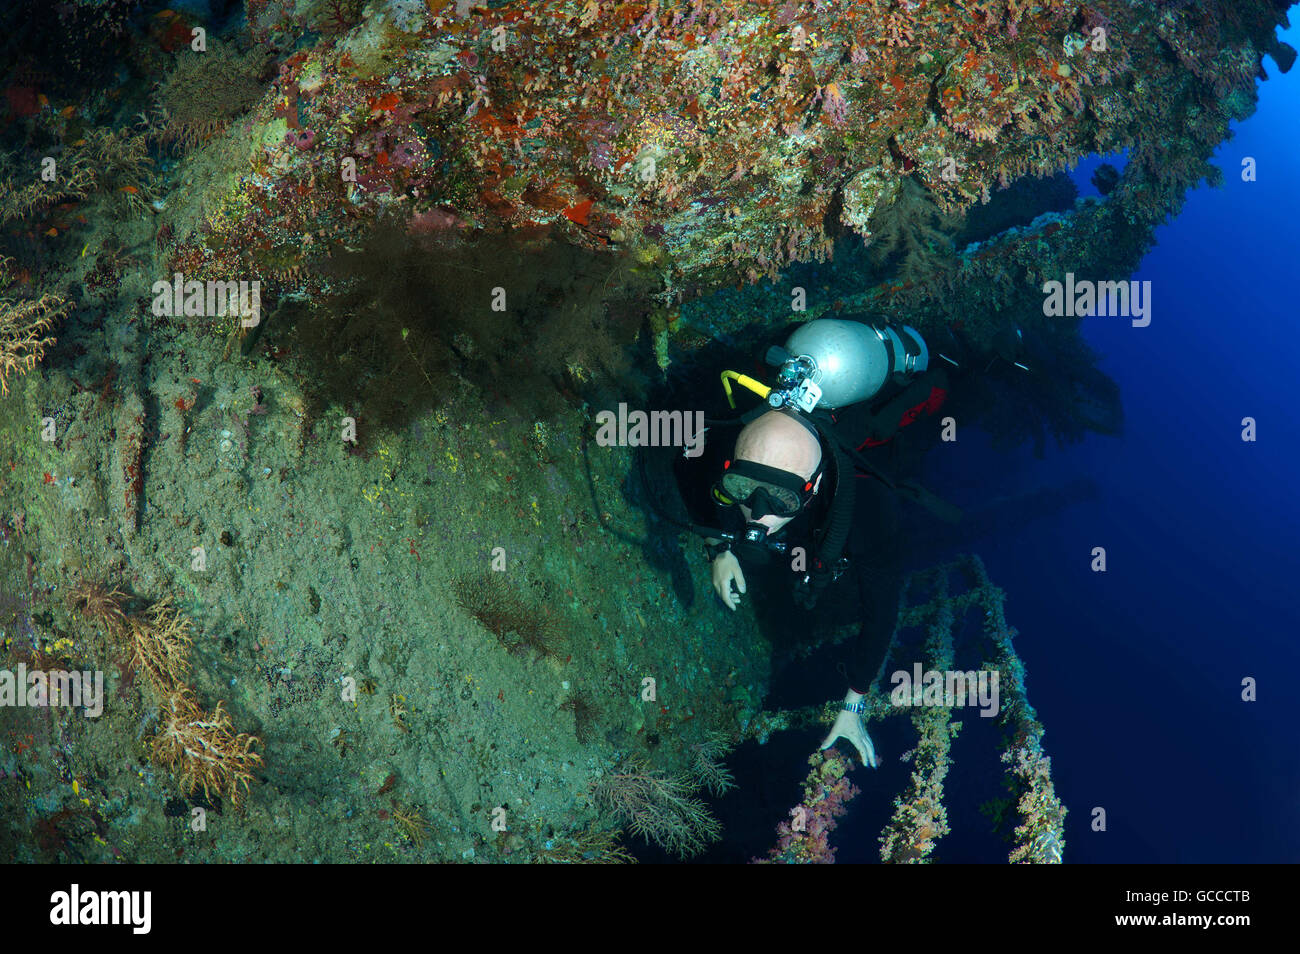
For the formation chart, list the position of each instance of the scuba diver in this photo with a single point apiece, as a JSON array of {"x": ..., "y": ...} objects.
[{"x": 786, "y": 496}]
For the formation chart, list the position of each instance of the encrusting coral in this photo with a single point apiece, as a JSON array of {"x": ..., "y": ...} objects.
[
  {"x": 720, "y": 144},
  {"x": 920, "y": 819},
  {"x": 730, "y": 137},
  {"x": 805, "y": 838}
]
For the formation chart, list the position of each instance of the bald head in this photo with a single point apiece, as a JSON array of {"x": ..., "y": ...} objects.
[{"x": 777, "y": 440}]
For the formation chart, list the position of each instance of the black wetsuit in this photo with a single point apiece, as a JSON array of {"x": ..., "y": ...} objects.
[{"x": 870, "y": 590}]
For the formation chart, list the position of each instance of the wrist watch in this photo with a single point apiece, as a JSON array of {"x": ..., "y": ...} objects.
[
  {"x": 714, "y": 550},
  {"x": 858, "y": 707}
]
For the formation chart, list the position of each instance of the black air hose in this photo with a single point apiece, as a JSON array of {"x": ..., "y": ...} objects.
[{"x": 836, "y": 534}]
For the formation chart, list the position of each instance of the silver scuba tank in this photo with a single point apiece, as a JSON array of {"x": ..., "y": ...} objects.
[{"x": 843, "y": 362}]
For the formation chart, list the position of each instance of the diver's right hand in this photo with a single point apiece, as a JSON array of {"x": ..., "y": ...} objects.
[
  {"x": 848, "y": 725},
  {"x": 726, "y": 570}
]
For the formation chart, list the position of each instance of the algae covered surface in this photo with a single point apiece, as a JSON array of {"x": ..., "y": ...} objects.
[{"x": 347, "y": 611}]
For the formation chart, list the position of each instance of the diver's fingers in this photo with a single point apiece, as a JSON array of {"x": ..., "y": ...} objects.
[
  {"x": 865, "y": 755},
  {"x": 728, "y": 600},
  {"x": 868, "y": 751},
  {"x": 740, "y": 579},
  {"x": 829, "y": 740}
]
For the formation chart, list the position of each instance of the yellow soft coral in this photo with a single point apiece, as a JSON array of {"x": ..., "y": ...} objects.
[{"x": 24, "y": 329}]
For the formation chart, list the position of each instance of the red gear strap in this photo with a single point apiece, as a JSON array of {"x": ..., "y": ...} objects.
[{"x": 924, "y": 409}]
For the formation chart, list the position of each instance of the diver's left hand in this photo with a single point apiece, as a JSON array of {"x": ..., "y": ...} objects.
[{"x": 849, "y": 726}]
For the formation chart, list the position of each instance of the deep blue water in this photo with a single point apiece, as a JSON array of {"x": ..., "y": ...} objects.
[{"x": 1137, "y": 673}]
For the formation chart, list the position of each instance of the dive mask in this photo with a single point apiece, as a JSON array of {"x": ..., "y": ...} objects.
[{"x": 766, "y": 491}]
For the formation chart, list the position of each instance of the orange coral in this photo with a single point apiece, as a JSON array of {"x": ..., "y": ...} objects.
[
  {"x": 24, "y": 330},
  {"x": 101, "y": 605},
  {"x": 203, "y": 749},
  {"x": 160, "y": 646}
]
